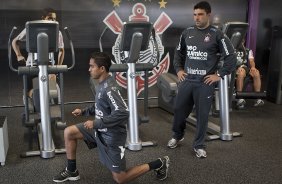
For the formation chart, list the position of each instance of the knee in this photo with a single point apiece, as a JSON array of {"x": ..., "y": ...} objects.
[
  {"x": 68, "y": 132},
  {"x": 256, "y": 74},
  {"x": 240, "y": 73},
  {"x": 118, "y": 179}
]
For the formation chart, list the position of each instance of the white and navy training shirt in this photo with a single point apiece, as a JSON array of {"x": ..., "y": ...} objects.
[
  {"x": 197, "y": 53},
  {"x": 110, "y": 110},
  {"x": 243, "y": 56}
]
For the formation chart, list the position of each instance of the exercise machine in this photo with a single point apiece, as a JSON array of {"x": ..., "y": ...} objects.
[
  {"x": 236, "y": 31},
  {"x": 42, "y": 38},
  {"x": 140, "y": 67},
  {"x": 135, "y": 38},
  {"x": 130, "y": 43}
]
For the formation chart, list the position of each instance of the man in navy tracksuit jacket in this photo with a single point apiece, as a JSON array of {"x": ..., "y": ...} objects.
[
  {"x": 196, "y": 64},
  {"x": 106, "y": 131}
]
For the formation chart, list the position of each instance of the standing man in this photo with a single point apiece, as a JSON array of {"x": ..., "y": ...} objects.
[
  {"x": 107, "y": 131},
  {"x": 196, "y": 65},
  {"x": 47, "y": 14}
]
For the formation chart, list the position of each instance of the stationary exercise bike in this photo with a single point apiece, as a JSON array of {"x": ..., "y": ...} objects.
[{"x": 42, "y": 38}]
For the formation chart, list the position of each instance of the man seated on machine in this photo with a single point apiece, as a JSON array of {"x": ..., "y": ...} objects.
[
  {"x": 48, "y": 14},
  {"x": 106, "y": 130},
  {"x": 246, "y": 67}
]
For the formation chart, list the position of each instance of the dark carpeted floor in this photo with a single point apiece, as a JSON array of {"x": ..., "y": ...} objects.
[
  {"x": 255, "y": 158},
  {"x": 252, "y": 159}
]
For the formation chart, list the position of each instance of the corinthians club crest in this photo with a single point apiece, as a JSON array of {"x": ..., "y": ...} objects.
[{"x": 150, "y": 55}]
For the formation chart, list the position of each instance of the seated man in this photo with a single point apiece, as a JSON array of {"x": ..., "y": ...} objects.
[{"x": 246, "y": 66}]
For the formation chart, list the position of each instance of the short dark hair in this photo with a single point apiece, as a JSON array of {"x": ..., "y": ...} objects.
[
  {"x": 46, "y": 12},
  {"x": 204, "y": 5},
  {"x": 102, "y": 59}
]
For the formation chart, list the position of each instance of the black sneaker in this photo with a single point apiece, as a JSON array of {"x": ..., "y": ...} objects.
[
  {"x": 161, "y": 173},
  {"x": 66, "y": 175}
]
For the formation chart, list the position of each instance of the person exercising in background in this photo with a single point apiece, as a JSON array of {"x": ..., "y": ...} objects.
[
  {"x": 106, "y": 130},
  {"x": 196, "y": 61},
  {"x": 216, "y": 22},
  {"x": 48, "y": 14},
  {"x": 246, "y": 67}
]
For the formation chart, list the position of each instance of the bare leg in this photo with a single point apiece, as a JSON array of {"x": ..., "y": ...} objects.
[
  {"x": 71, "y": 135},
  {"x": 29, "y": 93},
  {"x": 257, "y": 81},
  {"x": 130, "y": 174},
  {"x": 241, "y": 74},
  {"x": 160, "y": 166}
]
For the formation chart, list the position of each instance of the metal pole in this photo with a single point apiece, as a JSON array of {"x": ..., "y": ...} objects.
[
  {"x": 224, "y": 113},
  {"x": 47, "y": 150},
  {"x": 134, "y": 141}
]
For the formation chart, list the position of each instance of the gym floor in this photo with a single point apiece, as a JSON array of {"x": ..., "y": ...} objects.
[{"x": 254, "y": 158}]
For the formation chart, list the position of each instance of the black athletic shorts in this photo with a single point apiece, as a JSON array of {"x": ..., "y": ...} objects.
[{"x": 111, "y": 153}]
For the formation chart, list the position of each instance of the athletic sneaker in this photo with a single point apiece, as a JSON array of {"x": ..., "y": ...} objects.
[
  {"x": 161, "y": 173},
  {"x": 241, "y": 103},
  {"x": 200, "y": 153},
  {"x": 172, "y": 143},
  {"x": 66, "y": 175},
  {"x": 258, "y": 102}
]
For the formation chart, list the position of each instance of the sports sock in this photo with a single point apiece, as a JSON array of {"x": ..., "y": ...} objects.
[
  {"x": 155, "y": 164},
  {"x": 71, "y": 165}
]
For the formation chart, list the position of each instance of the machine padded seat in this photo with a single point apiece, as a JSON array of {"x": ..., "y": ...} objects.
[{"x": 167, "y": 85}]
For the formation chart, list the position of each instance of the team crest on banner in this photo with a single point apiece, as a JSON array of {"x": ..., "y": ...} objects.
[{"x": 150, "y": 55}]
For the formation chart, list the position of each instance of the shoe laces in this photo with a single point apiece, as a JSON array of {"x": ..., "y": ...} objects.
[
  {"x": 201, "y": 152},
  {"x": 173, "y": 141}
]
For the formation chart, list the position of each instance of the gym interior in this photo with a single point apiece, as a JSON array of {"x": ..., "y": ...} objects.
[{"x": 250, "y": 155}]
